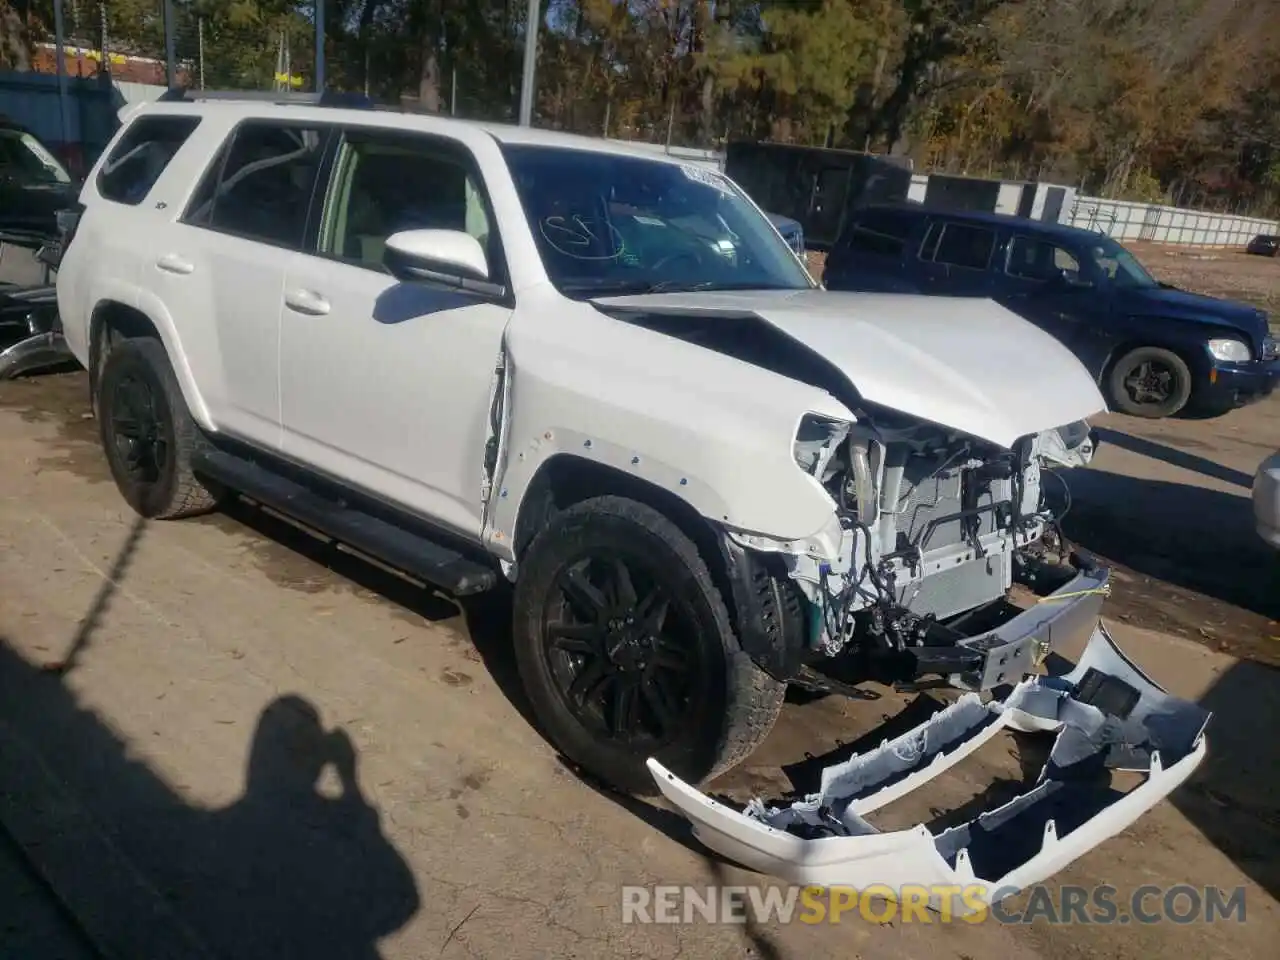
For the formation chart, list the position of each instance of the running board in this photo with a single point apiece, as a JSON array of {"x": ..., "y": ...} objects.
[
  {"x": 415, "y": 555},
  {"x": 1106, "y": 713}
]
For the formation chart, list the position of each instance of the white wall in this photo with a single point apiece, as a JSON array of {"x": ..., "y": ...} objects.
[{"x": 1125, "y": 220}]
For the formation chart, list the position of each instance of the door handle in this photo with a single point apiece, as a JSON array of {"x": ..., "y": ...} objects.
[
  {"x": 172, "y": 263},
  {"x": 308, "y": 302}
]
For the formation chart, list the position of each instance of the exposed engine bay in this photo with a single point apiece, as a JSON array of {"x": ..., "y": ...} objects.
[{"x": 936, "y": 525}]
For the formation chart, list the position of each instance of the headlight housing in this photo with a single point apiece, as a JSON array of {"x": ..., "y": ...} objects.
[
  {"x": 1230, "y": 350},
  {"x": 1270, "y": 348},
  {"x": 817, "y": 440}
]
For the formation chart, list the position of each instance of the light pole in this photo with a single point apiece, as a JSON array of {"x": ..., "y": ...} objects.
[
  {"x": 60, "y": 53},
  {"x": 319, "y": 46},
  {"x": 532, "y": 26}
]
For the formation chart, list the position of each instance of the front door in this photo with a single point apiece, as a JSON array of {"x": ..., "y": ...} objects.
[
  {"x": 1043, "y": 283},
  {"x": 387, "y": 385}
]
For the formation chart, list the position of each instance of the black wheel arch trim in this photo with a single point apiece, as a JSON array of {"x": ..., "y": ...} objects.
[
  {"x": 765, "y": 606},
  {"x": 769, "y": 609}
]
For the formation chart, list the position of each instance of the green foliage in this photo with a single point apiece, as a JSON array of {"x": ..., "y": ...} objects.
[{"x": 1131, "y": 97}]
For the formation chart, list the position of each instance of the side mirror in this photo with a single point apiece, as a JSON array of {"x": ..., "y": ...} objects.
[{"x": 450, "y": 258}]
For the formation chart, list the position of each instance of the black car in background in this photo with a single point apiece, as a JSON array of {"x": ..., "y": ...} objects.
[
  {"x": 34, "y": 185},
  {"x": 1265, "y": 245},
  {"x": 1153, "y": 348}
]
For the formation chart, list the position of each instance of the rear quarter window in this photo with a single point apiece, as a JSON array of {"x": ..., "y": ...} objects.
[{"x": 141, "y": 155}]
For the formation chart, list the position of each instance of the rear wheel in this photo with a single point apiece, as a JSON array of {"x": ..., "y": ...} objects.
[
  {"x": 626, "y": 649},
  {"x": 1150, "y": 382},
  {"x": 148, "y": 434}
]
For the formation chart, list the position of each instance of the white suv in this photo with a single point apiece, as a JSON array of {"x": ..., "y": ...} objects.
[{"x": 486, "y": 353}]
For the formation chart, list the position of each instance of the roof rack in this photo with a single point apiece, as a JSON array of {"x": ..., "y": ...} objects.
[{"x": 324, "y": 98}]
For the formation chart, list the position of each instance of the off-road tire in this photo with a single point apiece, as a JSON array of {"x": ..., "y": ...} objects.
[
  {"x": 1179, "y": 394},
  {"x": 176, "y": 492},
  {"x": 742, "y": 702}
]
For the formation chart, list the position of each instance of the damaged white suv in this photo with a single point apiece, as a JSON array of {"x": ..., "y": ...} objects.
[{"x": 486, "y": 353}]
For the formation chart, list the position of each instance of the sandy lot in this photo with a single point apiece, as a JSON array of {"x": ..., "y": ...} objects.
[{"x": 180, "y": 704}]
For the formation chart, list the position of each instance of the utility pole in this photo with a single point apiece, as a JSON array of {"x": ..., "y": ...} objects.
[
  {"x": 170, "y": 45},
  {"x": 319, "y": 46},
  {"x": 59, "y": 51},
  {"x": 200, "y": 37},
  {"x": 531, "y": 28}
]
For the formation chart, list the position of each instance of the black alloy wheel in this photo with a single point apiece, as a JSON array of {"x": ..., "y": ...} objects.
[
  {"x": 622, "y": 650},
  {"x": 627, "y": 650},
  {"x": 140, "y": 436}
]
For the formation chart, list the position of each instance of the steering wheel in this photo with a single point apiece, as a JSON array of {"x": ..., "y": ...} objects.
[{"x": 694, "y": 255}]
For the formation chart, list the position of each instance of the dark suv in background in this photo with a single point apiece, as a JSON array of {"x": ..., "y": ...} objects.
[{"x": 1154, "y": 349}]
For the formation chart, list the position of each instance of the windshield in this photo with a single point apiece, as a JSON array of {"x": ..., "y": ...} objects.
[
  {"x": 1120, "y": 266},
  {"x": 24, "y": 157},
  {"x": 607, "y": 223}
]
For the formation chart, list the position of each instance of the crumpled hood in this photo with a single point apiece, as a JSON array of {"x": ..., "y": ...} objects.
[{"x": 961, "y": 362}]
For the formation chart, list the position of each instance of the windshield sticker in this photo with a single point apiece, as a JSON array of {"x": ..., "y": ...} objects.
[
  {"x": 649, "y": 221},
  {"x": 45, "y": 157},
  {"x": 706, "y": 177},
  {"x": 582, "y": 239}
]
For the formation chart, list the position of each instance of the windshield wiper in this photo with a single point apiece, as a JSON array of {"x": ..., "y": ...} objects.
[{"x": 623, "y": 287}]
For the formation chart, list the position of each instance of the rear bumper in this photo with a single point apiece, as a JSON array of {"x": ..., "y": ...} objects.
[{"x": 1106, "y": 714}]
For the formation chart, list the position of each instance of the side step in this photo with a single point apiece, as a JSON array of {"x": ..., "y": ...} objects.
[{"x": 414, "y": 554}]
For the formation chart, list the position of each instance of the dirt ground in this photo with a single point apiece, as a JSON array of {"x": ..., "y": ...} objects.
[{"x": 186, "y": 707}]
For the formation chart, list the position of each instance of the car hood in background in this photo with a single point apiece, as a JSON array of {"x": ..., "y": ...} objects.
[{"x": 964, "y": 363}]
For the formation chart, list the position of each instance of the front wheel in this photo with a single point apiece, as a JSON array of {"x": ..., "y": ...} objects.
[
  {"x": 1150, "y": 382},
  {"x": 627, "y": 652}
]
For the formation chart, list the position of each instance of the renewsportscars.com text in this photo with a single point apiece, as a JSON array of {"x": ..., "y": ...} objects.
[{"x": 1102, "y": 904}]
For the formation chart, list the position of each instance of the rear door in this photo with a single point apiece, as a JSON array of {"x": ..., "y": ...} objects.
[
  {"x": 956, "y": 258},
  {"x": 220, "y": 268}
]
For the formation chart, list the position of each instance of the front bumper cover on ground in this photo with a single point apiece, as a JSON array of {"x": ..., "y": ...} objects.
[{"x": 1106, "y": 713}]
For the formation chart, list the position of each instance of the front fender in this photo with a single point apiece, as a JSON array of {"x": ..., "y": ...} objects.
[{"x": 712, "y": 430}]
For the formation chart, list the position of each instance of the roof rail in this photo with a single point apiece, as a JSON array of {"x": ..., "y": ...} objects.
[{"x": 325, "y": 98}]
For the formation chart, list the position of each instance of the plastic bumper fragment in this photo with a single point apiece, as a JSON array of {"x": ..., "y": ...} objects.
[
  {"x": 1013, "y": 650},
  {"x": 1106, "y": 714}
]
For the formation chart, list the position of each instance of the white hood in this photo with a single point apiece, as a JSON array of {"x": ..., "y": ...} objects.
[{"x": 961, "y": 362}]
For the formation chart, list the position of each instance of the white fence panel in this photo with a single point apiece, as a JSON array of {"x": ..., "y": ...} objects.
[{"x": 1126, "y": 220}]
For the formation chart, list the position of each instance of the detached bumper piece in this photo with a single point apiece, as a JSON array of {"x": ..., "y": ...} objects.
[
  {"x": 1106, "y": 714},
  {"x": 30, "y": 335}
]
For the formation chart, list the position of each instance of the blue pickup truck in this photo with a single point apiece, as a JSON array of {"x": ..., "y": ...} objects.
[{"x": 1155, "y": 350}]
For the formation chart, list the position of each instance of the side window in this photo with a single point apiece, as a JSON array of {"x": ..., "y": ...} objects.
[
  {"x": 963, "y": 246},
  {"x": 138, "y": 159},
  {"x": 882, "y": 232},
  {"x": 1039, "y": 260},
  {"x": 384, "y": 183},
  {"x": 260, "y": 184}
]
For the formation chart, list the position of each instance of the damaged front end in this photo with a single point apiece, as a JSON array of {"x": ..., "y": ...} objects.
[
  {"x": 948, "y": 562},
  {"x": 1106, "y": 714}
]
